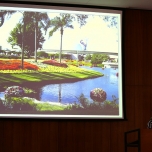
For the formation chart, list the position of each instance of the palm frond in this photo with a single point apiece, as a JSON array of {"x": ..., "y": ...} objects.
[
  {"x": 4, "y": 14},
  {"x": 53, "y": 30},
  {"x": 70, "y": 26}
]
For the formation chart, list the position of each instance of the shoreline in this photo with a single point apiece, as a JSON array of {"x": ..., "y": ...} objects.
[{"x": 32, "y": 84}]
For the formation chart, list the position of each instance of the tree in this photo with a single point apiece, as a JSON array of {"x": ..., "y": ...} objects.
[
  {"x": 3, "y": 14},
  {"x": 88, "y": 57},
  {"x": 43, "y": 54},
  {"x": 99, "y": 58},
  {"x": 111, "y": 20},
  {"x": 29, "y": 35},
  {"x": 65, "y": 21},
  {"x": 38, "y": 20}
]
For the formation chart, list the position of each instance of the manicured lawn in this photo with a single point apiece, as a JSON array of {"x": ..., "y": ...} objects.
[{"x": 46, "y": 73}]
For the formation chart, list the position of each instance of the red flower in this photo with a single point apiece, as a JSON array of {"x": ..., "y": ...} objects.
[
  {"x": 16, "y": 65},
  {"x": 55, "y": 63}
]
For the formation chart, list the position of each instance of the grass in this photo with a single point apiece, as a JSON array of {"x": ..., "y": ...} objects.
[
  {"x": 46, "y": 73},
  {"x": 49, "y": 107},
  {"x": 31, "y": 105}
]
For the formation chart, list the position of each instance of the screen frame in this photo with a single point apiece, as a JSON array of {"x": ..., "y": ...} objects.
[{"x": 77, "y": 8}]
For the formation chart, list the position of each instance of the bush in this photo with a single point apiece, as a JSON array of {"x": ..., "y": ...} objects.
[
  {"x": 24, "y": 104},
  {"x": 84, "y": 101},
  {"x": 14, "y": 91},
  {"x": 4, "y": 56},
  {"x": 43, "y": 54},
  {"x": 88, "y": 57},
  {"x": 85, "y": 104},
  {"x": 109, "y": 105},
  {"x": 2, "y": 106},
  {"x": 98, "y": 95},
  {"x": 99, "y": 58}
]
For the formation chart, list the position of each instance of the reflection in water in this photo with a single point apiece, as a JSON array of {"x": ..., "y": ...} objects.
[
  {"x": 69, "y": 92},
  {"x": 60, "y": 93}
]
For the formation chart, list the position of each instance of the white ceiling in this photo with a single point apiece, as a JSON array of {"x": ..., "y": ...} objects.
[{"x": 135, "y": 4}]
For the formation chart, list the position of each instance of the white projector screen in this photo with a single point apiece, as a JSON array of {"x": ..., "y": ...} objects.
[{"x": 60, "y": 62}]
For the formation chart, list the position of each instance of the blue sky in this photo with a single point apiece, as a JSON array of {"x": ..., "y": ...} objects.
[{"x": 96, "y": 33}]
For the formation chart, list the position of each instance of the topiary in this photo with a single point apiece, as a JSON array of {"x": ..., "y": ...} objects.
[{"x": 98, "y": 95}]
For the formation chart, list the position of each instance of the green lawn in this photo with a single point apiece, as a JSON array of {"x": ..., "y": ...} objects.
[{"x": 46, "y": 73}]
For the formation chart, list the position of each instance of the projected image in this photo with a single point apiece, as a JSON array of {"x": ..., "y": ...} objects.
[{"x": 60, "y": 63}]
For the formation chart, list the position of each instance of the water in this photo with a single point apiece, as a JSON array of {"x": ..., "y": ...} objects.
[
  {"x": 69, "y": 92},
  {"x": 1, "y": 95}
]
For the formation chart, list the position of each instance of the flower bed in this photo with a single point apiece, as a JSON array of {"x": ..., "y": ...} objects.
[
  {"x": 16, "y": 65},
  {"x": 14, "y": 91},
  {"x": 55, "y": 63}
]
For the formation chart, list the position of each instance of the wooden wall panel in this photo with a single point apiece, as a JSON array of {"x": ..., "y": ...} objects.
[
  {"x": 33, "y": 135},
  {"x": 84, "y": 135},
  {"x": 137, "y": 47},
  {"x": 44, "y": 135},
  {"x": 132, "y": 45},
  {"x": 98, "y": 135},
  {"x": 142, "y": 106}
]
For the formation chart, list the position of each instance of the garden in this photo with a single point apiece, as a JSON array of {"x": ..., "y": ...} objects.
[
  {"x": 18, "y": 86},
  {"x": 28, "y": 71},
  {"x": 16, "y": 102}
]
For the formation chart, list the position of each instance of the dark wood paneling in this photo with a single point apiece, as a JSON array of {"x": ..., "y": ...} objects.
[
  {"x": 84, "y": 135},
  {"x": 32, "y": 135},
  {"x": 146, "y": 141},
  {"x": 138, "y": 54}
]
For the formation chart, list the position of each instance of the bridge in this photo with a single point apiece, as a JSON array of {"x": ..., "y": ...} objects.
[
  {"x": 75, "y": 53},
  {"x": 78, "y": 52}
]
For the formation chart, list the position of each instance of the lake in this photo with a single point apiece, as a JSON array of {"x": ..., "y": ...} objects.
[{"x": 69, "y": 92}]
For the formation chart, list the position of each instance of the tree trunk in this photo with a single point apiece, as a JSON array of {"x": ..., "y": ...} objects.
[
  {"x": 36, "y": 27},
  {"x": 61, "y": 44},
  {"x": 1, "y": 19},
  {"x": 23, "y": 43}
]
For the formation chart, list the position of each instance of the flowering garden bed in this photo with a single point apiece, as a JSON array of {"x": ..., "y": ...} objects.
[
  {"x": 16, "y": 65},
  {"x": 55, "y": 63}
]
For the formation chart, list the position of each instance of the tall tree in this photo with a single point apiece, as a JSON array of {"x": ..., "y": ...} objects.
[
  {"x": 29, "y": 36},
  {"x": 38, "y": 20},
  {"x": 61, "y": 22},
  {"x": 65, "y": 21}
]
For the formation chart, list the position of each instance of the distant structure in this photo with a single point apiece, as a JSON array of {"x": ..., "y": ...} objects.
[{"x": 84, "y": 44}]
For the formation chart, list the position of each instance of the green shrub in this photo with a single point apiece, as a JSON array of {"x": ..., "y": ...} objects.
[
  {"x": 85, "y": 104},
  {"x": 2, "y": 106},
  {"x": 24, "y": 104},
  {"x": 99, "y": 58},
  {"x": 88, "y": 57},
  {"x": 84, "y": 101},
  {"x": 43, "y": 54},
  {"x": 110, "y": 105}
]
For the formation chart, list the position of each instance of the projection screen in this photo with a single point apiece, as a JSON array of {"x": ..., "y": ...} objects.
[{"x": 60, "y": 62}]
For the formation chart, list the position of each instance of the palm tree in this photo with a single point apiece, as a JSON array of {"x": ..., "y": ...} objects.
[
  {"x": 3, "y": 14},
  {"x": 59, "y": 23},
  {"x": 39, "y": 20}
]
